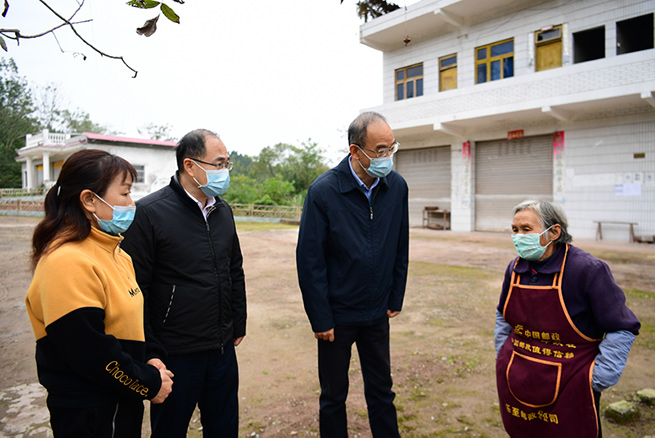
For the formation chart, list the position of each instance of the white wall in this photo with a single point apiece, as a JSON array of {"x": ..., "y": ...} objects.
[
  {"x": 159, "y": 164},
  {"x": 599, "y": 161},
  {"x": 462, "y": 204}
]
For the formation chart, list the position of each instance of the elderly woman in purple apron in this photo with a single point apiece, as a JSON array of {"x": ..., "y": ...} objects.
[{"x": 563, "y": 331}]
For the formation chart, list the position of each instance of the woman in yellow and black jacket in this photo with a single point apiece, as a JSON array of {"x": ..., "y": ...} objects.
[{"x": 86, "y": 307}]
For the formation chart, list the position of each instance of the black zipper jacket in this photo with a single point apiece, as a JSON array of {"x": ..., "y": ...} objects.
[{"x": 190, "y": 271}]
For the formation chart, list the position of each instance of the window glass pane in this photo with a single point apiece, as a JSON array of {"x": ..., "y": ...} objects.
[
  {"x": 415, "y": 71},
  {"x": 482, "y": 54},
  {"x": 502, "y": 48},
  {"x": 410, "y": 89},
  {"x": 445, "y": 62},
  {"x": 495, "y": 70},
  {"x": 482, "y": 73},
  {"x": 400, "y": 75},
  {"x": 399, "y": 92},
  {"x": 419, "y": 87},
  {"x": 508, "y": 67},
  {"x": 140, "y": 173},
  {"x": 548, "y": 34}
]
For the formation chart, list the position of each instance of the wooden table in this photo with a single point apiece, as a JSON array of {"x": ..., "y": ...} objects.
[
  {"x": 436, "y": 219},
  {"x": 599, "y": 230}
]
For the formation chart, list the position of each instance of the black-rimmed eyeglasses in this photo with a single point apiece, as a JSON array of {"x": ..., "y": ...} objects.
[{"x": 222, "y": 165}]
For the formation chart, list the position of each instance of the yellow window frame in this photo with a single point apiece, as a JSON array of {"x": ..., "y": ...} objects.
[
  {"x": 489, "y": 59},
  {"x": 406, "y": 80}
]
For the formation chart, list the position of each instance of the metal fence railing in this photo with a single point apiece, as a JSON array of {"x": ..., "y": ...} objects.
[
  {"x": 26, "y": 204},
  {"x": 21, "y": 207},
  {"x": 12, "y": 193},
  {"x": 267, "y": 211}
]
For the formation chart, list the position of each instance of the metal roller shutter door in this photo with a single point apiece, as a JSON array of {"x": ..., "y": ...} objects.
[
  {"x": 508, "y": 172},
  {"x": 427, "y": 172}
]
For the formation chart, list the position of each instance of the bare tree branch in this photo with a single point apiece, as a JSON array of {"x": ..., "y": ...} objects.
[
  {"x": 82, "y": 38},
  {"x": 17, "y": 35},
  {"x": 66, "y": 22}
]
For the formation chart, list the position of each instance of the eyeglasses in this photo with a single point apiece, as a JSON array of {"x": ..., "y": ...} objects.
[
  {"x": 222, "y": 165},
  {"x": 380, "y": 153}
]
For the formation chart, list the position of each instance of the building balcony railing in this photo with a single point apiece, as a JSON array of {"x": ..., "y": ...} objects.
[{"x": 46, "y": 138}]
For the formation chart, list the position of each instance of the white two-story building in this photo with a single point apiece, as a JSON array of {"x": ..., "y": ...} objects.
[
  {"x": 44, "y": 154},
  {"x": 498, "y": 101}
]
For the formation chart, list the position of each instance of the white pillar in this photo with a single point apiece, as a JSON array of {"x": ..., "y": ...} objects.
[
  {"x": 462, "y": 205},
  {"x": 29, "y": 164},
  {"x": 46, "y": 169}
]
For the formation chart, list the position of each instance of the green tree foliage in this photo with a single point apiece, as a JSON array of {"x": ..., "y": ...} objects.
[
  {"x": 279, "y": 175},
  {"x": 243, "y": 190},
  {"x": 79, "y": 121},
  {"x": 16, "y": 120},
  {"x": 374, "y": 8},
  {"x": 242, "y": 163},
  {"x": 22, "y": 113}
]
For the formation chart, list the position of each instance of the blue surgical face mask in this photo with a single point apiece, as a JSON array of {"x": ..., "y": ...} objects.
[
  {"x": 121, "y": 220},
  {"x": 218, "y": 181},
  {"x": 379, "y": 167},
  {"x": 529, "y": 245}
]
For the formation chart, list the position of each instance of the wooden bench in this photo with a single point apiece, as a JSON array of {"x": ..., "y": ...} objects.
[
  {"x": 436, "y": 219},
  {"x": 599, "y": 230}
]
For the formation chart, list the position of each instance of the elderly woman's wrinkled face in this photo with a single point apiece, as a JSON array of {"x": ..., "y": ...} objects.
[{"x": 526, "y": 222}]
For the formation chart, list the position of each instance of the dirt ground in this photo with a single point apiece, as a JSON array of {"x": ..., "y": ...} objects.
[{"x": 441, "y": 344}]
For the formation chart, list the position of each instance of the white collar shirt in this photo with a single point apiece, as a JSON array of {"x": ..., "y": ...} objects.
[{"x": 206, "y": 208}]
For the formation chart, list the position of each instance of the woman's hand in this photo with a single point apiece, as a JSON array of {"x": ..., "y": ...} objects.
[
  {"x": 157, "y": 363},
  {"x": 166, "y": 386}
]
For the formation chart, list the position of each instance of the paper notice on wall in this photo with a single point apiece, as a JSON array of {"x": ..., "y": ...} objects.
[{"x": 632, "y": 189}]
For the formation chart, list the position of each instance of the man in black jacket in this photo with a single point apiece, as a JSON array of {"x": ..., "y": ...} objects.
[
  {"x": 188, "y": 263},
  {"x": 352, "y": 258}
]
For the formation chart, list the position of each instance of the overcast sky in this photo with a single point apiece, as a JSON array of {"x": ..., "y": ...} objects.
[{"x": 257, "y": 72}]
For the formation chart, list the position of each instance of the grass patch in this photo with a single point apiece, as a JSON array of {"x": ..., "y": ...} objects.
[
  {"x": 636, "y": 293},
  {"x": 646, "y": 338}
]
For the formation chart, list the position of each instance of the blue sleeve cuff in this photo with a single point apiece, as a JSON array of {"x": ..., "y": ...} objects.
[
  {"x": 501, "y": 332},
  {"x": 611, "y": 359}
]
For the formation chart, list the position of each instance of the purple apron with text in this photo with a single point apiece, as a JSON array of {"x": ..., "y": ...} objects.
[{"x": 543, "y": 371}]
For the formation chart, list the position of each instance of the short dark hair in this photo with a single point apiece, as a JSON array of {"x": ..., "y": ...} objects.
[
  {"x": 192, "y": 145},
  {"x": 358, "y": 128},
  {"x": 549, "y": 214},
  {"x": 65, "y": 219}
]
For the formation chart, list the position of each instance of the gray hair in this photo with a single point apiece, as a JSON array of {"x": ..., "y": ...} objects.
[
  {"x": 549, "y": 214},
  {"x": 357, "y": 129}
]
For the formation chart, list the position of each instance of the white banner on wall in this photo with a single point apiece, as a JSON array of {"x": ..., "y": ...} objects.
[{"x": 631, "y": 189}]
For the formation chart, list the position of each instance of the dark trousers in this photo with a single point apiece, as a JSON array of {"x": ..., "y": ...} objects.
[
  {"x": 333, "y": 363},
  {"x": 210, "y": 380},
  {"x": 122, "y": 420},
  {"x": 597, "y": 403}
]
